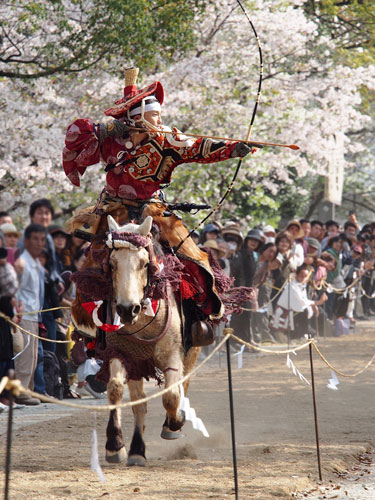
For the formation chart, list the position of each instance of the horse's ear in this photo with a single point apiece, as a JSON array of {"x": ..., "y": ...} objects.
[
  {"x": 146, "y": 225},
  {"x": 112, "y": 224}
]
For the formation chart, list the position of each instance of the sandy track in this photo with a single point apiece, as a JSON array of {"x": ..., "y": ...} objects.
[{"x": 274, "y": 431}]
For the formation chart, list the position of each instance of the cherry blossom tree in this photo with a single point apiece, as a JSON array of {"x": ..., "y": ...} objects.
[{"x": 308, "y": 95}]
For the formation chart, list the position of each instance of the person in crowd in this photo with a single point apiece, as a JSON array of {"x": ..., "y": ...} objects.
[
  {"x": 332, "y": 229},
  {"x": 5, "y": 218},
  {"x": 259, "y": 319},
  {"x": 60, "y": 240},
  {"x": 351, "y": 269},
  {"x": 293, "y": 299},
  {"x": 243, "y": 267},
  {"x": 8, "y": 303},
  {"x": 254, "y": 241},
  {"x": 195, "y": 236},
  {"x": 281, "y": 269},
  {"x": 269, "y": 234},
  {"x": 209, "y": 232},
  {"x": 41, "y": 212},
  {"x": 224, "y": 246},
  {"x": 337, "y": 303},
  {"x": 62, "y": 326},
  {"x": 317, "y": 230},
  {"x": 11, "y": 235},
  {"x": 306, "y": 228},
  {"x": 31, "y": 293},
  {"x": 68, "y": 254},
  {"x": 232, "y": 235},
  {"x": 350, "y": 228},
  {"x": 218, "y": 252},
  {"x": 297, "y": 256},
  {"x": 51, "y": 301}
]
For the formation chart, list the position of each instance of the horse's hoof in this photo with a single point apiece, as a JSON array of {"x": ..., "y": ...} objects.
[
  {"x": 136, "y": 460},
  {"x": 115, "y": 457},
  {"x": 166, "y": 433}
]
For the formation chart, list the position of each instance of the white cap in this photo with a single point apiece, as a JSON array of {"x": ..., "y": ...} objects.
[{"x": 269, "y": 229}]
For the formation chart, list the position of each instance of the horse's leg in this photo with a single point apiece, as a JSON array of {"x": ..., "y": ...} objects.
[
  {"x": 137, "y": 450},
  {"x": 115, "y": 451},
  {"x": 175, "y": 418},
  {"x": 189, "y": 362}
]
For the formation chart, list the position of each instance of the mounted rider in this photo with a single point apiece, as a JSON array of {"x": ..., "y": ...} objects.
[{"x": 138, "y": 163}]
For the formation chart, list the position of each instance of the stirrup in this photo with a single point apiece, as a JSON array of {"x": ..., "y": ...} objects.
[{"x": 202, "y": 333}]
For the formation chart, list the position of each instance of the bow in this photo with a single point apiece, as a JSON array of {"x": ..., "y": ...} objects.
[{"x": 230, "y": 186}]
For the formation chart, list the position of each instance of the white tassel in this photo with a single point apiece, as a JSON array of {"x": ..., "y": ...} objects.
[
  {"x": 239, "y": 354},
  {"x": 333, "y": 381},
  {"x": 297, "y": 373},
  {"x": 95, "y": 465},
  {"x": 190, "y": 414}
]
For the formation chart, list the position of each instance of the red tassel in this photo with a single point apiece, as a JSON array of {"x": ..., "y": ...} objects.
[
  {"x": 187, "y": 289},
  {"x": 91, "y": 345}
]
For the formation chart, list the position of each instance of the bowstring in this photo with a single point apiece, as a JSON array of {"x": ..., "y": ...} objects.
[{"x": 255, "y": 108}]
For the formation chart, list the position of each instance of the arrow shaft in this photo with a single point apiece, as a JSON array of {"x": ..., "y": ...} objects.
[{"x": 254, "y": 143}]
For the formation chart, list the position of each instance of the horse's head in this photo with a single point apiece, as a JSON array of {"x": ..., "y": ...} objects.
[{"x": 129, "y": 262}]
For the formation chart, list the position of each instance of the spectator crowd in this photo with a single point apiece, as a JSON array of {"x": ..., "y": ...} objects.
[
  {"x": 309, "y": 277},
  {"x": 35, "y": 292}
]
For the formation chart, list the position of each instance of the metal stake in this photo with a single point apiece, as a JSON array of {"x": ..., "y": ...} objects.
[
  {"x": 232, "y": 420},
  {"x": 9, "y": 440},
  {"x": 315, "y": 413}
]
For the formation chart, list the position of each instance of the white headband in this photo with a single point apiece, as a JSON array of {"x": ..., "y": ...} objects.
[{"x": 153, "y": 106}]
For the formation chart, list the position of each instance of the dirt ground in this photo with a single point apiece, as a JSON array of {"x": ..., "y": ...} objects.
[{"x": 274, "y": 433}]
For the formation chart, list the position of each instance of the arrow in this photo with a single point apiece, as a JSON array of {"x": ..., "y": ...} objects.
[{"x": 253, "y": 143}]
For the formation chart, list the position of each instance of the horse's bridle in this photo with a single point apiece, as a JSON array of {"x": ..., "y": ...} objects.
[{"x": 147, "y": 293}]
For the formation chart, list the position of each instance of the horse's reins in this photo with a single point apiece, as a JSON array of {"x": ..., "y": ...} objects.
[{"x": 143, "y": 327}]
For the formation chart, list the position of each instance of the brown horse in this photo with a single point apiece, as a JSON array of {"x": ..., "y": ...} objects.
[{"x": 145, "y": 338}]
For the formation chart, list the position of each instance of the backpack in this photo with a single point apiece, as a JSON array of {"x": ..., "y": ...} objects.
[{"x": 51, "y": 369}]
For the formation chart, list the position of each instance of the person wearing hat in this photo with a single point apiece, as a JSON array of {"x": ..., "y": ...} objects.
[
  {"x": 243, "y": 267},
  {"x": 11, "y": 236},
  {"x": 137, "y": 161},
  {"x": 269, "y": 234},
  {"x": 209, "y": 232},
  {"x": 140, "y": 155},
  {"x": 232, "y": 235},
  {"x": 212, "y": 244}
]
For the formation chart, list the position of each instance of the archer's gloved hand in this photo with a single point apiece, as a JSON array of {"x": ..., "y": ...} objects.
[
  {"x": 240, "y": 150},
  {"x": 115, "y": 128}
]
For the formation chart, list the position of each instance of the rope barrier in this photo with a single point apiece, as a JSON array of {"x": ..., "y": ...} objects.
[
  {"x": 361, "y": 289},
  {"x": 2, "y": 315},
  {"x": 15, "y": 385},
  {"x": 257, "y": 348},
  {"x": 42, "y": 310},
  {"x": 338, "y": 371},
  {"x": 298, "y": 348},
  {"x": 341, "y": 290}
]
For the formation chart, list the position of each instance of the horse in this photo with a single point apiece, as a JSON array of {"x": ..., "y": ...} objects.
[{"x": 147, "y": 342}]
